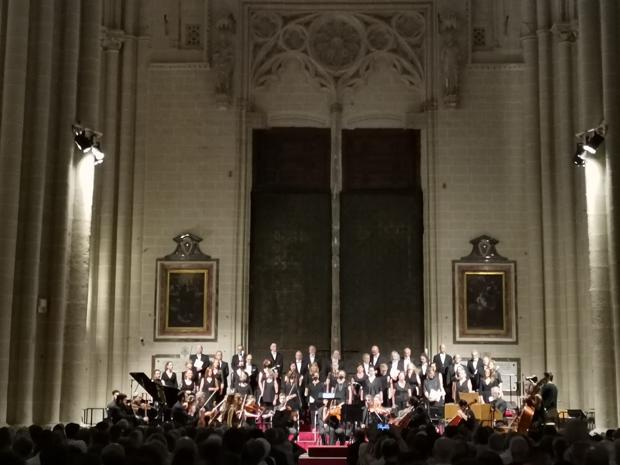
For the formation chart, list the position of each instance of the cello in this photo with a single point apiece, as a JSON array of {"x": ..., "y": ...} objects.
[{"x": 530, "y": 404}]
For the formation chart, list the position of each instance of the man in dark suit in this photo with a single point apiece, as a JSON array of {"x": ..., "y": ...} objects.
[
  {"x": 300, "y": 367},
  {"x": 200, "y": 361},
  {"x": 252, "y": 371},
  {"x": 475, "y": 369},
  {"x": 311, "y": 358},
  {"x": 238, "y": 357},
  {"x": 224, "y": 368},
  {"x": 442, "y": 361},
  {"x": 376, "y": 358},
  {"x": 178, "y": 413},
  {"x": 276, "y": 361}
]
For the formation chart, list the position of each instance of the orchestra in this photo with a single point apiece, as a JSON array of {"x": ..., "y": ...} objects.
[{"x": 320, "y": 393}]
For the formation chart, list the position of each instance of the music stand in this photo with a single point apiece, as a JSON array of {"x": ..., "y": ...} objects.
[{"x": 352, "y": 413}]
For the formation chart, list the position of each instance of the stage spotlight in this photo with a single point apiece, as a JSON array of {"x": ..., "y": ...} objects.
[
  {"x": 82, "y": 141},
  {"x": 87, "y": 141},
  {"x": 579, "y": 158},
  {"x": 593, "y": 139}
]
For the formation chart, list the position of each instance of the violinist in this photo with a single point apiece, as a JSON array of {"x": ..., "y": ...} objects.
[
  {"x": 374, "y": 412},
  {"x": 285, "y": 417},
  {"x": 231, "y": 414},
  {"x": 251, "y": 411},
  {"x": 179, "y": 412},
  {"x": 329, "y": 424}
]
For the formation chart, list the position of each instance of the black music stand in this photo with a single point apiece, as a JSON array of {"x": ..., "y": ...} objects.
[{"x": 352, "y": 413}]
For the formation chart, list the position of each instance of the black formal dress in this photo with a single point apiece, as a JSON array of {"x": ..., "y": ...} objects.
[{"x": 169, "y": 380}]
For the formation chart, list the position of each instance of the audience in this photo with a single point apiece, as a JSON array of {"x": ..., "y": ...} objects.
[{"x": 124, "y": 443}]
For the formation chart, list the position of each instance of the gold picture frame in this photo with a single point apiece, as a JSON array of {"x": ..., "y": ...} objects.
[
  {"x": 485, "y": 307},
  {"x": 485, "y": 303},
  {"x": 186, "y": 297}
]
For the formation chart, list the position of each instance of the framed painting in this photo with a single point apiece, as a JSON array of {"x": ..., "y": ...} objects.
[
  {"x": 484, "y": 287},
  {"x": 186, "y": 295}
]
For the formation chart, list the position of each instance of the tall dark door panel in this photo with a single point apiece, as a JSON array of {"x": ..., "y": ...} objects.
[
  {"x": 381, "y": 242},
  {"x": 290, "y": 255}
]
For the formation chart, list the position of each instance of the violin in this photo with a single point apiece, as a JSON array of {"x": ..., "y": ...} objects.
[{"x": 336, "y": 411}]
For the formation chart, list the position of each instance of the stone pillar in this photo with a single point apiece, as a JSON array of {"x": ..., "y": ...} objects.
[
  {"x": 567, "y": 233},
  {"x": 553, "y": 324},
  {"x": 125, "y": 176},
  {"x": 11, "y": 131},
  {"x": 105, "y": 230},
  {"x": 591, "y": 108},
  {"x": 336, "y": 189},
  {"x": 531, "y": 175},
  {"x": 610, "y": 50},
  {"x": 62, "y": 181},
  {"x": 139, "y": 144},
  {"x": 74, "y": 395}
]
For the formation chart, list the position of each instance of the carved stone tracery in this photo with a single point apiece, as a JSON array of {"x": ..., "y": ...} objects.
[{"x": 337, "y": 50}]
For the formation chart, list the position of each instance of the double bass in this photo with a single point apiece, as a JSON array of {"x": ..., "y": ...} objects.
[{"x": 530, "y": 404}]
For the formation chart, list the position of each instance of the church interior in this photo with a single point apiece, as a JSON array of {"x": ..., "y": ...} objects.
[{"x": 413, "y": 173}]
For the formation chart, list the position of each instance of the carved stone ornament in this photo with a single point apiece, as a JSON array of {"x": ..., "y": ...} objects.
[
  {"x": 337, "y": 50},
  {"x": 187, "y": 248},
  {"x": 483, "y": 250},
  {"x": 223, "y": 59},
  {"x": 111, "y": 39},
  {"x": 450, "y": 58}
]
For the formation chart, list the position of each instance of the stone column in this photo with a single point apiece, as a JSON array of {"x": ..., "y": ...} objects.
[
  {"x": 566, "y": 237},
  {"x": 24, "y": 363},
  {"x": 125, "y": 176},
  {"x": 62, "y": 181},
  {"x": 74, "y": 395},
  {"x": 336, "y": 189},
  {"x": 139, "y": 144},
  {"x": 591, "y": 108},
  {"x": 11, "y": 131},
  {"x": 553, "y": 324},
  {"x": 610, "y": 50},
  {"x": 105, "y": 229},
  {"x": 531, "y": 175}
]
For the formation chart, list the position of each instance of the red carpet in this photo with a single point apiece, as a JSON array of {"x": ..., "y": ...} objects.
[{"x": 318, "y": 454}]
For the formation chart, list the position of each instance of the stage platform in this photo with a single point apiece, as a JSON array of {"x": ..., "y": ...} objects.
[{"x": 319, "y": 454}]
